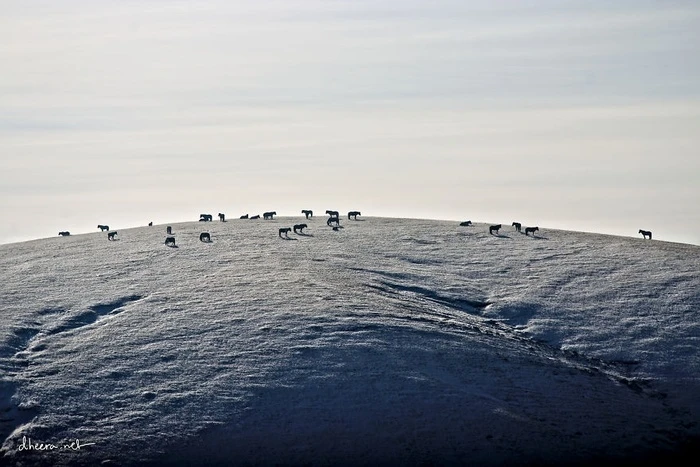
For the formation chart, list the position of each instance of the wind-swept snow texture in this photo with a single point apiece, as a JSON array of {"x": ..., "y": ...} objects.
[{"x": 388, "y": 341}]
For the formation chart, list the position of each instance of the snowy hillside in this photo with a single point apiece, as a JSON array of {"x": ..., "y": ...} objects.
[{"x": 388, "y": 341}]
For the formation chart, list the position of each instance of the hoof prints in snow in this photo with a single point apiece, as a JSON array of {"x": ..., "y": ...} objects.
[{"x": 94, "y": 314}]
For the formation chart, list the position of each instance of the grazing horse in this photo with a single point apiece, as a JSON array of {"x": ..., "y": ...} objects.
[
  {"x": 205, "y": 237},
  {"x": 269, "y": 215},
  {"x": 300, "y": 228},
  {"x": 645, "y": 233},
  {"x": 169, "y": 230},
  {"x": 285, "y": 231},
  {"x": 307, "y": 212},
  {"x": 332, "y": 213},
  {"x": 222, "y": 217},
  {"x": 354, "y": 214},
  {"x": 170, "y": 241},
  {"x": 110, "y": 235},
  {"x": 465, "y": 223},
  {"x": 517, "y": 226},
  {"x": 531, "y": 230},
  {"x": 333, "y": 220},
  {"x": 244, "y": 216},
  {"x": 205, "y": 217},
  {"x": 103, "y": 227},
  {"x": 256, "y": 217},
  {"x": 495, "y": 228},
  {"x": 64, "y": 234}
]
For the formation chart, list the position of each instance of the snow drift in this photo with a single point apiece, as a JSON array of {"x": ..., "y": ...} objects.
[{"x": 388, "y": 341}]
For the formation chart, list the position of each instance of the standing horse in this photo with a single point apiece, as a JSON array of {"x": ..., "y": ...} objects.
[
  {"x": 222, "y": 217},
  {"x": 205, "y": 237},
  {"x": 307, "y": 212},
  {"x": 532, "y": 230},
  {"x": 170, "y": 241},
  {"x": 205, "y": 217},
  {"x": 285, "y": 231},
  {"x": 354, "y": 214},
  {"x": 494, "y": 228},
  {"x": 110, "y": 235},
  {"x": 103, "y": 227},
  {"x": 517, "y": 226},
  {"x": 333, "y": 220},
  {"x": 299, "y": 228},
  {"x": 645, "y": 233},
  {"x": 269, "y": 215},
  {"x": 169, "y": 230},
  {"x": 332, "y": 213}
]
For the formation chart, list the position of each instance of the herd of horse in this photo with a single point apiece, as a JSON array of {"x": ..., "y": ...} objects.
[
  {"x": 332, "y": 221},
  {"x": 531, "y": 230},
  {"x": 495, "y": 228}
]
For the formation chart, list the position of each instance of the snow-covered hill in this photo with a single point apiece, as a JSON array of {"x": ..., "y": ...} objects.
[{"x": 388, "y": 341}]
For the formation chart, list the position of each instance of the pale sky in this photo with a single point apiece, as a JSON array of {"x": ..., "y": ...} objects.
[{"x": 577, "y": 115}]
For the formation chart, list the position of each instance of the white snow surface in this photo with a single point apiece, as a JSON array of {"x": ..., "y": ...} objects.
[{"x": 387, "y": 342}]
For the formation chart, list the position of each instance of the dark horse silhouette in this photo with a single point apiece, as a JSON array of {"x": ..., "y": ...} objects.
[
  {"x": 64, "y": 233},
  {"x": 103, "y": 227},
  {"x": 169, "y": 230},
  {"x": 150, "y": 224},
  {"x": 645, "y": 233},
  {"x": 222, "y": 217},
  {"x": 307, "y": 212},
  {"x": 299, "y": 228},
  {"x": 205, "y": 237},
  {"x": 205, "y": 217},
  {"x": 269, "y": 215},
  {"x": 285, "y": 231},
  {"x": 170, "y": 241},
  {"x": 244, "y": 216},
  {"x": 495, "y": 228},
  {"x": 257, "y": 216},
  {"x": 465, "y": 223},
  {"x": 354, "y": 214},
  {"x": 517, "y": 226},
  {"x": 332, "y": 213},
  {"x": 333, "y": 220},
  {"x": 532, "y": 230},
  {"x": 110, "y": 235}
]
